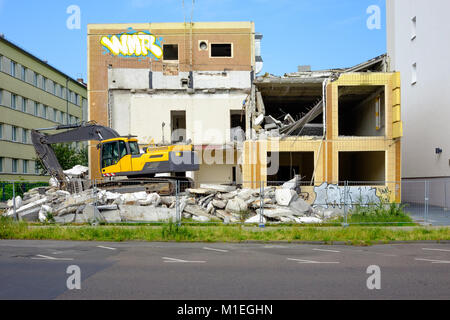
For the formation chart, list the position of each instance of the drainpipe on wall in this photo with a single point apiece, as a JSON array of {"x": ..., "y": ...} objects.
[{"x": 67, "y": 100}]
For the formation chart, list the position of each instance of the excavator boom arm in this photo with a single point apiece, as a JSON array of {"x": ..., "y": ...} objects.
[{"x": 82, "y": 132}]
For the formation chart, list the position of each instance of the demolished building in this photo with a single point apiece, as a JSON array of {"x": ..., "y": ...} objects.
[
  {"x": 325, "y": 127},
  {"x": 328, "y": 127}
]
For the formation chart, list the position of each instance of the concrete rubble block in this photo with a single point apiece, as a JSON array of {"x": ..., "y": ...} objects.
[
  {"x": 309, "y": 220},
  {"x": 43, "y": 213},
  {"x": 109, "y": 207},
  {"x": 30, "y": 212},
  {"x": 236, "y": 205},
  {"x": 205, "y": 200},
  {"x": 259, "y": 120},
  {"x": 31, "y": 199},
  {"x": 210, "y": 208},
  {"x": 92, "y": 214},
  {"x": 77, "y": 171},
  {"x": 82, "y": 198},
  {"x": 111, "y": 216},
  {"x": 150, "y": 214},
  {"x": 256, "y": 219},
  {"x": 219, "y": 204},
  {"x": 19, "y": 202},
  {"x": 218, "y": 188},
  {"x": 199, "y": 191},
  {"x": 246, "y": 194},
  {"x": 291, "y": 184},
  {"x": 257, "y": 203},
  {"x": 62, "y": 193},
  {"x": 153, "y": 200},
  {"x": 226, "y": 217},
  {"x": 301, "y": 207},
  {"x": 284, "y": 197},
  {"x": 69, "y": 218},
  {"x": 270, "y": 126},
  {"x": 198, "y": 211},
  {"x": 168, "y": 200},
  {"x": 201, "y": 219},
  {"x": 276, "y": 213},
  {"x": 269, "y": 119},
  {"x": 227, "y": 196}
]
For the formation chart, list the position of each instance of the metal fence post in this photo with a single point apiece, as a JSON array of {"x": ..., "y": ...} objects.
[
  {"x": 14, "y": 202},
  {"x": 177, "y": 203},
  {"x": 3, "y": 192},
  {"x": 261, "y": 205},
  {"x": 345, "y": 224},
  {"x": 426, "y": 201}
]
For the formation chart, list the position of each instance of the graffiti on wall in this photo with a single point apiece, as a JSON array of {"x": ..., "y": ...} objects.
[
  {"x": 335, "y": 196},
  {"x": 133, "y": 43}
]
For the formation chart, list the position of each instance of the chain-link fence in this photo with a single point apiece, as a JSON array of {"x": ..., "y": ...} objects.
[{"x": 159, "y": 200}]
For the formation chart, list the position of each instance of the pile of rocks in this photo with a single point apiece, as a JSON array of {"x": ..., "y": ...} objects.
[{"x": 219, "y": 203}]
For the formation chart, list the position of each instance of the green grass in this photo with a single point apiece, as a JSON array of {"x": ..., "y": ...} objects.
[
  {"x": 356, "y": 235},
  {"x": 381, "y": 214}
]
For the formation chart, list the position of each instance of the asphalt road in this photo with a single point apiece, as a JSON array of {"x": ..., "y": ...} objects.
[{"x": 37, "y": 270}]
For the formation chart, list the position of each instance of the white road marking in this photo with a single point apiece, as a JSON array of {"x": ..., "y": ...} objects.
[
  {"x": 172, "y": 260},
  {"x": 42, "y": 257},
  {"x": 212, "y": 249},
  {"x": 325, "y": 250},
  {"x": 432, "y": 261},
  {"x": 445, "y": 250},
  {"x": 310, "y": 261},
  {"x": 108, "y": 248},
  {"x": 275, "y": 247}
]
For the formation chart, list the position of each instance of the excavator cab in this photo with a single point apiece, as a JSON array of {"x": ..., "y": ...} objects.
[{"x": 122, "y": 157}]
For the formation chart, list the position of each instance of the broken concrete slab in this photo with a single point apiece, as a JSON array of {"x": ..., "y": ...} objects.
[
  {"x": 284, "y": 197},
  {"x": 199, "y": 191},
  {"x": 201, "y": 219},
  {"x": 219, "y": 204},
  {"x": 308, "y": 220},
  {"x": 92, "y": 214},
  {"x": 148, "y": 214},
  {"x": 218, "y": 188},
  {"x": 301, "y": 207},
  {"x": 236, "y": 205},
  {"x": 259, "y": 120},
  {"x": 256, "y": 219},
  {"x": 276, "y": 213}
]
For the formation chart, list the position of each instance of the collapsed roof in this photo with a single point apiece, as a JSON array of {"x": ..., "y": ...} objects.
[{"x": 299, "y": 96}]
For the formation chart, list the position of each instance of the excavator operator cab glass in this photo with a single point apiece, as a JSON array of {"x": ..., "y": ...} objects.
[
  {"x": 134, "y": 147},
  {"x": 112, "y": 152}
]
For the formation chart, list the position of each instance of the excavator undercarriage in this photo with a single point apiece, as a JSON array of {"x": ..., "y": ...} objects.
[{"x": 124, "y": 167}]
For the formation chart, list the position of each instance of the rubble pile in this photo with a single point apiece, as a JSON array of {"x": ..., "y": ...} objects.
[{"x": 209, "y": 203}]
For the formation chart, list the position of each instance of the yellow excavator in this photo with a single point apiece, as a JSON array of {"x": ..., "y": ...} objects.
[{"x": 120, "y": 157}]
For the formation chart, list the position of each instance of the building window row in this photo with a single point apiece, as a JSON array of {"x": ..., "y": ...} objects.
[
  {"x": 15, "y": 134},
  {"x": 18, "y": 166},
  {"x": 29, "y": 76},
  {"x": 35, "y": 108}
]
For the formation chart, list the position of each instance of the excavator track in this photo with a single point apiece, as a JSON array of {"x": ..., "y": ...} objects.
[{"x": 166, "y": 186}]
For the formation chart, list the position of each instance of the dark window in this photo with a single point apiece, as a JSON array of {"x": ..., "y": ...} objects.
[
  {"x": 221, "y": 50},
  {"x": 170, "y": 52},
  {"x": 112, "y": 153},
  {"x": 122, "y": 149},
  {"x": 134, "y": 148}
]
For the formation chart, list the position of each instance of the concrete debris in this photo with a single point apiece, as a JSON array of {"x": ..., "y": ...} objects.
[
  {"x": 284, "y": 197},
  {"x": 210, "y": 202},
  {"x": 236, "y": 205},
  {"x": 77, "y": 172},
  {"x": 256, "y": 219},
  {"x": 218, "y": 188}
]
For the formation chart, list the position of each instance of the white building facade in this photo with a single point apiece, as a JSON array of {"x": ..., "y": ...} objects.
[{"x": 417, "y": 48}]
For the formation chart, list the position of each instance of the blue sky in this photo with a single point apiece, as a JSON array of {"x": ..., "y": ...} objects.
[{"x": 320, "y": 33}]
